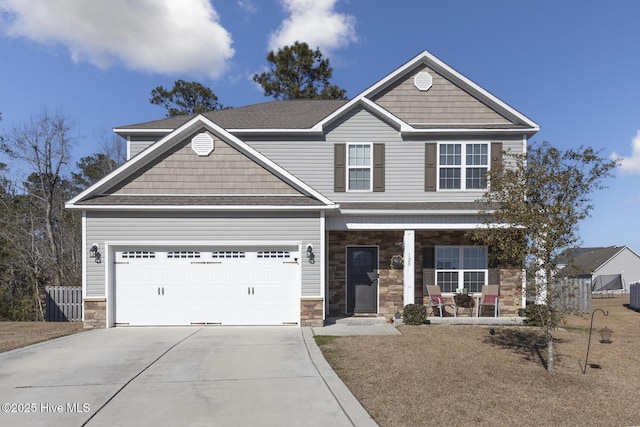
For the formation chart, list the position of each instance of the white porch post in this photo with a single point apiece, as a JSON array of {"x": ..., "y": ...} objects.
[{"x": 409, "y": 268}]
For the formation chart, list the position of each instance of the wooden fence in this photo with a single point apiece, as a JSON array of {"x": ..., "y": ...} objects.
[
  {"x": 575, "y": 295},
  {"x": 63, "y": 303},
  {"x": 634, "y": 291}
]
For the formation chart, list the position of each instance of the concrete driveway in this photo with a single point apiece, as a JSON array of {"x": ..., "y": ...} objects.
[{"x": 213, "y": 376}]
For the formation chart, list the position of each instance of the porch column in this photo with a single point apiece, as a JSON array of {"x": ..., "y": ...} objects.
[{"x": 409, "y": 268}]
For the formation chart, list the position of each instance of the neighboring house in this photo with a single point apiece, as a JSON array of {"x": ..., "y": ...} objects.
[
  {"x": 289, "y": 212},
  {"x": 607, "y": 269}
]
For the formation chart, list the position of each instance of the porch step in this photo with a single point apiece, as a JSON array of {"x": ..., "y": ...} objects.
[{"x": 355, "y": 321}]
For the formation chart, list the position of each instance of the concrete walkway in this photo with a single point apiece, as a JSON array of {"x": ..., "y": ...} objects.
[{"x": 187, "y": 376}]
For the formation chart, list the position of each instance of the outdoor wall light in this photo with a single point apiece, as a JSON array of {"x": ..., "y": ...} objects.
[
  {"x": 94, "y": 252},
  {"x": 310, "y": 255}
]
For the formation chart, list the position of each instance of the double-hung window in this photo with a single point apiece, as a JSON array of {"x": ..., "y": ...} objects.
[
  {"x": 359, "y": 167},
  {"x": 463, "y": 166},
  {"x": 461, "y": 268}
]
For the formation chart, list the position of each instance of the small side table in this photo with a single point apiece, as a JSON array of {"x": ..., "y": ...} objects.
[{"x": 464, "y": 301}]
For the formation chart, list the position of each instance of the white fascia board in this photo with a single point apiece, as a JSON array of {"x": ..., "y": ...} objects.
[
  {"x": 368, "y": 105},
  {"x": 472, "y": 85},
  {"x": 178, "y": 135},
  {"x": 410, "y": 226},
  {"x": 307, "y": 131},
  {"x": 132, "y": 131},
  {"x": 373, "y": 212},
  {"x": 428, "y": 59},
  {"x": 520, "y": 131},
  {"x": 199, "y": 208},
  {"x": 134, "y": 162}
]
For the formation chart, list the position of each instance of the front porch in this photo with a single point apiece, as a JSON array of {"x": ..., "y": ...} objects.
[{"x": 396, "y": 287}]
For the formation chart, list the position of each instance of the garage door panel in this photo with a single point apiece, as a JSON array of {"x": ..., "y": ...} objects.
[{"x": 231, "y": 286}]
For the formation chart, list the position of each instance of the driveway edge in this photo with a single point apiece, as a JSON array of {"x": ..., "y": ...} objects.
[{"x": 350, "y": 405}]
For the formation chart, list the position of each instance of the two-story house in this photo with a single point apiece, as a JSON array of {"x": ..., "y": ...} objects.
[{"x": 288, "y": 212}]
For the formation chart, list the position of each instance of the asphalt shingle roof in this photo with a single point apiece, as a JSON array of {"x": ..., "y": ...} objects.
[
  {"x": 587, "y": 260},
  {"x": 159, "y": 200},
  {"x": 284, "y": 114}
]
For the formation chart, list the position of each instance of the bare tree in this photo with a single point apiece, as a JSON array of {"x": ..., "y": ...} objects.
[{"x": 42, "y": 145}]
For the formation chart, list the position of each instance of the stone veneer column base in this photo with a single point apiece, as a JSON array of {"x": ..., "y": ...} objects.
[
  {"x": 95, "y": 313},
  {"x": 311, "y": 310}
]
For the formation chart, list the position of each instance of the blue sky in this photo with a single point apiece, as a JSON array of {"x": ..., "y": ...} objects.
[{"x": 572, "y": 66}]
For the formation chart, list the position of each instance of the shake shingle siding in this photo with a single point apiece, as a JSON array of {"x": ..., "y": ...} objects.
[
  {"x": 203, "y": 227},
  {"x": 443, "y": 103},
  {"x": 224, "y": 171}
]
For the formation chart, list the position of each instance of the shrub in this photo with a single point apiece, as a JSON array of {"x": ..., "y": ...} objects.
[
  {"x": 414, "y": 314},
  {"x": 539, "y": 315}
]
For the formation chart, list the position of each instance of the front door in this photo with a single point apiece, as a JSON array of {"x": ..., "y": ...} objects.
[{"x": 362, "y": 288}]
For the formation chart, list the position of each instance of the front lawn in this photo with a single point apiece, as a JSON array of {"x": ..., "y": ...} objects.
[
  {"x": 463, "y": 375},
  {"x": 19, "y": 334}
]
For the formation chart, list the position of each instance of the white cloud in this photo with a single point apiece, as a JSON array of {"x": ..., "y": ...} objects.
[
  {"x": 248, "y": 6},
  {"x": 630, "y": 164},
  {"x": 316, "y": 23},
  {"x": 162, "y": 36}
]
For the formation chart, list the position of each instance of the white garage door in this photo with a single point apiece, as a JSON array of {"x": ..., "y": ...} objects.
[{"x": 227, "y": 286}]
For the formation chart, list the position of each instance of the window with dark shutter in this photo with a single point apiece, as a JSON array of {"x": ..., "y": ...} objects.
[{"x": 340, "y": 165}]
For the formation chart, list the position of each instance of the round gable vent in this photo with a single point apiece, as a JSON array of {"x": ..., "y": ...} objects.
[
  {"x": 423, "y": 81},
  {"x": 202, "y": 144}
]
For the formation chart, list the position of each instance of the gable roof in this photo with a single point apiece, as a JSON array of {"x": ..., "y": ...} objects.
[
  {"x": 313, "y": 115},
  {"x": 583, "y": 261},
  {"x": 520, "y": 122},
  {"x": 96, "y": 197}
]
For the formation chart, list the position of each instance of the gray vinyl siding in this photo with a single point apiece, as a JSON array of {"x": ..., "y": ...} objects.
[
  {"x": 205, "y": 227},
  {"x": 313, "y": 160},
  {"x": 138, "y": 144}
]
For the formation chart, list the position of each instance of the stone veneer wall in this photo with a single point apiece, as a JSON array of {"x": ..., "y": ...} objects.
[
  {"x": 95, "y": 313},
  {"x": 510, "y": 292},
  {"x": 311, "y": 311},
  {"x": 391, "y": 281}
]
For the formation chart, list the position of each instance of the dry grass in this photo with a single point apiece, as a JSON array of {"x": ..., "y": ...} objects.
[
  {"x": 462, "y": 375},
  {"x": 19, "y": 334}
]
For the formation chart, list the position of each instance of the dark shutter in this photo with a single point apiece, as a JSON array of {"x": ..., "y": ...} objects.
[
  {"x": 496, "y": 162},
  {"x": 428, "y": 278},
  {"x": 378, "y": 167},
  {"x": 494, "y": 276},
  {"x": 340, "y": 168},
  {"x": 428, "y": 257},
  {"x": 430, "y": 166}
]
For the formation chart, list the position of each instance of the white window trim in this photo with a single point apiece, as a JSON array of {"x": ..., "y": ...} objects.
[
  {"x": 462, "y": 166},
  {"x": 461, "y": 271},
  {"x": 349, "y": 167}
]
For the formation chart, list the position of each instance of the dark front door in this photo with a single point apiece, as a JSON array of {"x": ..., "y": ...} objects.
[{"x": 362, "y": 288}]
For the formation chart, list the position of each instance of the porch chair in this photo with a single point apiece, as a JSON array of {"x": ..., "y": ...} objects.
[
  {"x": 437, "y": 300},
  {"x": 489, "y": 297}
]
